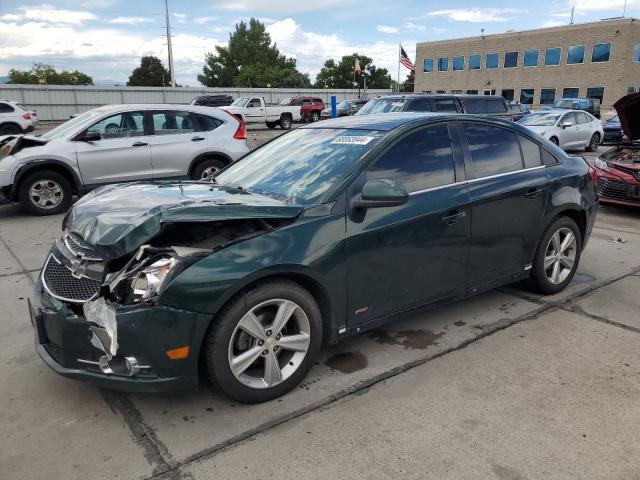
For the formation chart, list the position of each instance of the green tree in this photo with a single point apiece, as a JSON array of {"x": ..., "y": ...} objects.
[
  {"x": 340, "y": 75},
  {"x": 150, "y": 73},
  {"x": 47, "y": 74},
  {"x": 250, "y": 60}
]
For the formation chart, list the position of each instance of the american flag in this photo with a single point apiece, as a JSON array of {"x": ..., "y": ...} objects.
[{"x": 404, "y": 60}]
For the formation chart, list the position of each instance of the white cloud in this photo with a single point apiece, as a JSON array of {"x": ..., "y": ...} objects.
[
  {"x": 603, "y": 5},
  {"x": 312, "y": 49},
  {"x": 281, "y": 6},
  {"x": 414, "y": 27},
  {"x": 553, "y": 23},
  {"x": 386, "y": 29},
  {"x": 130, "y": 20},
  {"x": 50, "y": 14},
  {"x": 476, "y": 14},
  {"x": 203, "y": 20}
]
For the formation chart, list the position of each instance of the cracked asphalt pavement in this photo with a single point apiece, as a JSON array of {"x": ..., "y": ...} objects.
[{"x": 506, "y": 385}]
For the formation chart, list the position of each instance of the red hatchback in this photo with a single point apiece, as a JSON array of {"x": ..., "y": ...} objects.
[{"x": 618, "y": 170}]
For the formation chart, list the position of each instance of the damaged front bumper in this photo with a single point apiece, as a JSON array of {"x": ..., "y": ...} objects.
[{"x": 145, "y": 333}]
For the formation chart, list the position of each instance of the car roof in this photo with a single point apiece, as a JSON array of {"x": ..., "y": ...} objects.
[
  {"x": 390, "y": 121},
  {"x": 153, "y": 106}
]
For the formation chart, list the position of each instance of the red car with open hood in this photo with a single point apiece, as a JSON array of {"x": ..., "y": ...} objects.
[{"x": 617, "y": 170}]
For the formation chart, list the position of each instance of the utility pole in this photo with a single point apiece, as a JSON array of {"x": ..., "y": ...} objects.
[{"x": 173, "y": 76}]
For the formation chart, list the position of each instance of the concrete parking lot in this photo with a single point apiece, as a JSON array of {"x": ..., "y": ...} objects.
[{"x": 506, "y": 385}]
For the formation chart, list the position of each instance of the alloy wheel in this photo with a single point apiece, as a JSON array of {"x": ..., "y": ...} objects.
[
  {"x": 46, "y": 194},
  {"x": 209, "y": 173},
  {"x": 560, "y": 255},
  {"x": 269, "y": 343},
  {"x": 595, "y": 141}
]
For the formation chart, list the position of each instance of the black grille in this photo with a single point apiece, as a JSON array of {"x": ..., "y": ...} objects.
[
  {"x": 61, "y": 284},
  {"x": 80, "y": 248},
  {"x": 615, "y": 189}
]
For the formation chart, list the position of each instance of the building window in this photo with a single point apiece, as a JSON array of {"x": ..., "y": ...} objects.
[
  {"x": 458, "y": 62},
  {"x": 428, "y": 65},
  {"x": 456, "y": 92},
  {"x": 575, "y": 54},
  {"x": 636, "y": 53},
  {"x": 441, "y": 91},
  {"x": 531, "y": 57},
  {"x": 526, "y": 96},
  {"x": 472, "y": 92},
  {"x": 552, "y": 56},
  {"x": 631, "y": 90},
  {"x": 443, "y": 64},
  {"x": 547, "y": 96},
  {"x": 474, "y": 62},
  {"x": 508, "y": 94},
  {"x": 595, "y": 92},
  {"x": 600, "y": 52},
  {"x": 510, "y": 60},
  {"x": 493, "y": 60},
  {"x": 571, "y": 92}
]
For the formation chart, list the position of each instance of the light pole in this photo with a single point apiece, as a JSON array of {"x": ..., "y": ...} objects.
[{"x": 173, "y": 77}]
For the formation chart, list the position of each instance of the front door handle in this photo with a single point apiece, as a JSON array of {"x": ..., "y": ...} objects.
[
  {"x": 197, "y": 139},
  {"x": 140, "y": 144},
  {"x": 533, "y": 193},
  {"x": 453, "y": 217}
]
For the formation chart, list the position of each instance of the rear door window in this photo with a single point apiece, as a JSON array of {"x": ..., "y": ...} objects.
[
  {"x": 445, "y": 105},
  {"x": 495, "y": 106},
  {"x": 419, "y": 105},
  {"x": 421, "y": 160},
  {"x": 530, "y": 152},
  {"x": 474, "y": 106},
  {"x": 173, "y": 122},
  {"x": 494, "y": 150}
]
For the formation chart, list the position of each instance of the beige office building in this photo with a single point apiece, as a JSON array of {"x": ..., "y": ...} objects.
[{"x": 537, "y": 67}]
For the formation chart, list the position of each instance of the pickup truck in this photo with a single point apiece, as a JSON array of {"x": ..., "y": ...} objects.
[
  {"x": 310, "y": 107},
  {"x": 256, "y": 110}
]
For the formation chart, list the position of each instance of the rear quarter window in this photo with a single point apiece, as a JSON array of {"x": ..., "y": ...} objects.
[
  {"x": 495, "y": 106},
  {"x": 474, "y": 106},
  {"x": 6, "y": 108},
  {"x": 530, "y": 152}
]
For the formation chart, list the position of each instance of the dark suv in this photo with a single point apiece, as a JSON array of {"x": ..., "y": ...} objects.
[
  {"x": 493, "y": 105},
  {"x": 247, "y": 278},
  {"x": 212, "y": 100},
  {"x": 589, "y": 105}
]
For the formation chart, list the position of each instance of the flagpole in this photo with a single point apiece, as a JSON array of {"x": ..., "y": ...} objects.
[{"x": 398, "y": 84}]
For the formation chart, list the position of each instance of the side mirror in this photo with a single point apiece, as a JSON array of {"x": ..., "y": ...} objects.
[
  {"x": 381, "y": 193},
  {"x": 567, "y": 124},
  {"x": 90, "y": 137}
]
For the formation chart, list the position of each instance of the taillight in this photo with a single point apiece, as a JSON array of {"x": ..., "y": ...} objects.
[
  {"x": 241, "y": 132},
  {"x": 27, "y": 116}
]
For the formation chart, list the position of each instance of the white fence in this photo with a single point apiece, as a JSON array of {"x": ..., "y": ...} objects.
[{"x": 57, "y": 102}]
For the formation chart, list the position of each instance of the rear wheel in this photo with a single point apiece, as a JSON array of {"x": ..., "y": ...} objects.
[
  {"x": 285, "y": 123},
  {"x": 557, "y": 257},
  {"x": 593, "y": 143},
  {"x": 45, "y": 193},
  {"x": 9, "y": 129},
  {"x": 207, "y": 169},
  {"x": 315, "y": 116},
  {"x": 263, "y": 342}
]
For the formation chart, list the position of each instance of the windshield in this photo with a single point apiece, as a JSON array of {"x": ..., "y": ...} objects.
[
  {"x": 301, "y": 166},
  {"x": 69, "y": 125},
  {"x": 345, "y": 105},
  {"x": 614, "y": 119},
  {"x": 567, "y": 104},
  {"x": 539, "y": 120},
  {"x": 382, "y": 105},
  {"x": 239, "y": 102}
]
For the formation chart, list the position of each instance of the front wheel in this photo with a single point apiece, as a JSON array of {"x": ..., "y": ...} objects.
[
  {"x": 45, "y": 193},
  {"x": 264, "y": 341},
  {"x": 593, "y": 143},
  {"x": 557, "y": 257},
  {"x": 285, "y": 123}
]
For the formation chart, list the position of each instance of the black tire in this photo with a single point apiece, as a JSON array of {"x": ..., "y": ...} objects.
[
  {"x": 272, "y": 125},
  {"x": 539, "y": 281},
  {"x": 62, "y": 201},
  {"x": 213, "y": 165},
  {"x": 315, "y": 116},
  {"x": 219, "y": 336},
  {"x": 594, "y": 143},
  {"x": 285, "y": 122},
  {"x": 555, "y": 141},
  {"x": 10, "y": 129}
]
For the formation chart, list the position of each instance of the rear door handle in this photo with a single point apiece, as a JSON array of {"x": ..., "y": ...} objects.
[
  {"x": 533, "y": 193},
  {"x": 453, "y": 217},
  {"x": 140, "y": 144},
  {"x": 197, "y": 139}
]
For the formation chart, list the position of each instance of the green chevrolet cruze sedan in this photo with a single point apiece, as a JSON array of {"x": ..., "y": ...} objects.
[{"x": 329, "y": 230}]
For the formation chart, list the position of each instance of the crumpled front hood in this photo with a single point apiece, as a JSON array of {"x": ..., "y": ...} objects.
[
  {"x": 117, "y": 219},
  {"x": 628, "y": 108}
]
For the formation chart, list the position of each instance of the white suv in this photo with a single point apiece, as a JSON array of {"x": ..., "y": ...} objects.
[
  {"x": 117, "y": 143},
  {"x": 14, "y": 118}
]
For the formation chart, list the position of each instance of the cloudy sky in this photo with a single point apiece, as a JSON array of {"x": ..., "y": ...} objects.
[{"x": 106, "y": 38}]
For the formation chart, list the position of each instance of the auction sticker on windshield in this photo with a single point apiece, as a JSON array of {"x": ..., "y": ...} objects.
[{"x": 352, "y": 140}]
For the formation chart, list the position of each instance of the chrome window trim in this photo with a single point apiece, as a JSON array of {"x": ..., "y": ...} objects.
[{"x": 432, "y": 189}]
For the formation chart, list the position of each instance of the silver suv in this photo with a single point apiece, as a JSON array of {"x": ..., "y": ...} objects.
[{"x": 117, "y": 143}]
